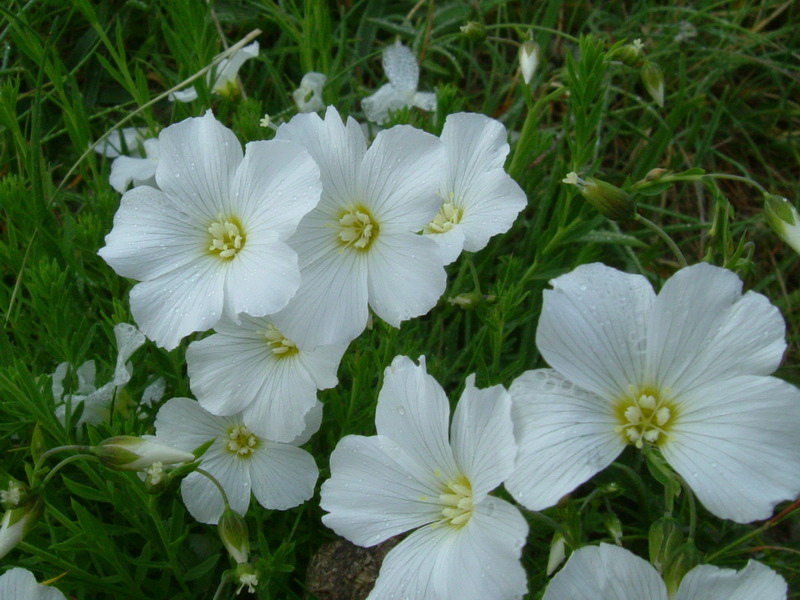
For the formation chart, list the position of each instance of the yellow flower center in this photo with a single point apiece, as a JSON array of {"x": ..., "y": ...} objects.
[
  {"x": 227, "y": 237},
  {"x": 241, "y": 442},
  {"x": 280, "y": 345},
  {"x": 448, "y": 216},
  {"x": 645, "y": 416},
  {"x": 357, "y": 228},
  {"x": 457, "y": 502}
]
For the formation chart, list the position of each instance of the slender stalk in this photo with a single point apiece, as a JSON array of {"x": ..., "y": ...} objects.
[
  {"x": 664, "y": 236},
  {"x": 216, "y": 483},
  {"x": 64, "y": 463}
]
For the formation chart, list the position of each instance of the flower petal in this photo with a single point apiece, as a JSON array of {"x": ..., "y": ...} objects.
[
  {"x": 197, "y": 162},
  {"x": 593, "y": 327},
  {"x": 424, "y": 100},
  {"x": 606, "y": 572},
  {"x": 406, "y": 276},
  {"x": 282, "y": 476},
  {"x": 565, "y": 435},
  {"x": 482, "y": 437},
  {"x": 702, "y": 330},
  {"x": 409, "y": 569},
  {"x": 20, "y": 584},
  {"x": 707, "y": 582},
  {"x": 151, "y": 237},
  {"x": 276, "y": 184},
  {"x": 399, "y": 178},
  {"x": 228, "y": 68},
  {"x": 413, "y": 411},
  {"x": 450, "y": 243},
  {"x": 400, "y": 66},
  {"x": 175, "y": 304},
  {"x": 474, "y": 144},
  {"x": 737, "y": 444},
  {"x": 126, "y": 170},
  {"x": 372, "y": 494},
  {"x": 183, "y": 424},
  {"x": 388, "y": 97}
]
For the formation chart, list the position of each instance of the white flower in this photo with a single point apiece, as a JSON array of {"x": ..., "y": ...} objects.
[
  {"x": 20, "y": 584},
  {"x": 225, "y": 80},
  {"x": 529, "y": 59},
  {"x": 608, "y": 572},
  {"x": 308, "y": 96},
  {"x": 127, "y": 140},
  {"x": 280, "y": 475},
  {"x": 131, "y": 453},
  {"x": 360, "y": 245},
  {"x": 479, "y": 199},
  {"x": 97, "y": 401},
  {"x": 402, "y": 69},
  {"x": 16, "y": 523},
  {"x": 467, "y": 544},
  {"x": 212, "y": 239},
  {"x": 254, "y": 369},
  {"x": 686, "y": 371},
  {"x": 782, "y": 216},
  {"x": 138, "y": 171}
]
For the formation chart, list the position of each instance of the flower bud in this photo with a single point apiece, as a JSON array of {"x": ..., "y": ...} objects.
[
  {"x": 664, "y": 539},
  {"x": 783, "y": 218},
  {"x": 608, "y": 199},
  {"x": 16, "y": 523},
  {"x": 614, "y": 527},
  {"x": 653, "y": 80},
  {"x": 685, "y": 559},
  {"x": 557, "y": 553},
  {"x": 232, "y": 530},
  {"x": 655, "y": 174},
  {"x": 130, "y": 453},
  {"x": 631, "y": 54},
  {"x": 474, "y": 31},
  {"x": 529, "y": 54}
]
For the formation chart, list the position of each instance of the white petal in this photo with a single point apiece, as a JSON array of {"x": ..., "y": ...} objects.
[
  {"x": 565, "y": 436},
  {"x": 313, "y": 420},
  {"x": 706, "y": 582},
  {"x": 276, "y": 184},
  {"x": 58, "y": 380},
  {"x": 371, "y": 497},
  {"x": 703, "y": 330},
  {"x": 413, "y": 411},
  {"x": 409, "y": 569},
  {"x": 388, "y": 97},
  {"x": 129, "y": 340},
  {"x": 737, "y": 444},
  {"x": 86, "y": 373},
  {"x": 593, "y": 327},
  {"x": 183, "y": 424},
  {"x": 262, "y": 277},
  {"x": 400, "y": 66},
  {"x": 450, "y": 243},
  {"x": 400, "y": 177},
  {"x": 330, "y": 307},
  {"x": 125, "y": 141},
  {"x": 406, "y": 276},
  {"x": 483, "y": 437},
  {"x": 425, "y": 100},
  {"x": 198, "y": 159},
  {"x": 172, "y": 306},
  {"x": 228, "y": 68},
  {"x": 151, "y": 236},
  {"x": 233, "y": 474},
  {"x": 282, "y": 476},
  {"x": 186, "y": 95},
  {"x": 606, "y": 572},
  {"x": 475, "y": 144},
  {"x": 126, "y": 170},
  {"x": 20, "y": 584},
  {"x": 482, "y": 560},
  {"x": 338, "y": 150}
]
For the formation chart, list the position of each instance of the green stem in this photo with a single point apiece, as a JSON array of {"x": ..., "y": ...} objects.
[
  {"x": 692, "y": 510},
  {"x": 543, "y": 518},
  {"x": 665, "y": 237},
  {"x": 64, "y": 463},
  {"x": 216, "y": 483},
  {"x": 222, "y": 585},
  {"x": 47, "y": 454},
  {"x": 747, "y": 180}
]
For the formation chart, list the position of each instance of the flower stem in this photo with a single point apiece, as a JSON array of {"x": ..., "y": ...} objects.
[
  {"x": 216, "y": 483},
  {"x": 64, "y": 463},
  {"x": 664, "y": 236}
]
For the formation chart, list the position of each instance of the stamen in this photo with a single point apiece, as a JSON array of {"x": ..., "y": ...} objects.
[
  {"x": 449, "y": 216},
  {"x": 457, "y": 502},
  {"x": 241, "y": 442},
  {"x": 357, "y": 228},
  {"x": 280, "y": 345},
  {"x": 644, "y": 416},
  {"x": 227, "y": 237}
]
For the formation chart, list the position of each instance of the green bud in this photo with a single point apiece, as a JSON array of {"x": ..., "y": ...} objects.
[
  {"x": 664, "y": 539},
  {"x": 557, "y": 553},
  {"x": 631, "y": 54},
  {"x": 474, "y": 31},
  {"x": 232, "y": 530},
  {"x": 130, "y": 453},
  {"x": 529, "y": 55},
  {"x": 37, "y": 442},
  {"x": 782, "y": 216},
  {"x": 655, "y": 174},
  {"x": 608, "y": 199},
  {"x": 686, "y": 558},
  {"x": 16, "y": 524},
  {"x": 653, "y": 80},
  {"x": 614, "y": 527}
]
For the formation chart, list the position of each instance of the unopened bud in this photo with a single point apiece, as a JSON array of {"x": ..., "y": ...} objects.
[
  {"x": 15, "y": 495},
  {"x": 16, "y": 524},
  {"x": 614, "y": 527},
  {"x": 631, "y": 54},
  {"x": 474, "y": 31},
  {"x": 655, "y": 174},
  {"x": 232, "y": 530},
  {"x": 529, "y": 54},
  {"x": 664, "y": 539},
  {"x": 782, "y": 216},
  {"x": 653, "y": 80},
  {"x": 608, "y": 199},
  {"x": 471, "y": 300},
  {"x": 685, "y": 559},
  {"x": 557, "y": 553},
  {"x": 246, "y": 576},
  {"x": 130, "y": 453}
]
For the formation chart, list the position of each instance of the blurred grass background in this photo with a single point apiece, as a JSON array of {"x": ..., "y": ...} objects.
[{"x": 71, "y": 70}]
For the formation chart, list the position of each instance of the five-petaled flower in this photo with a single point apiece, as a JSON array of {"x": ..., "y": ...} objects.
[
  {"x": 467, "y": 544},
  {"x": 686, "y": 371}
]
